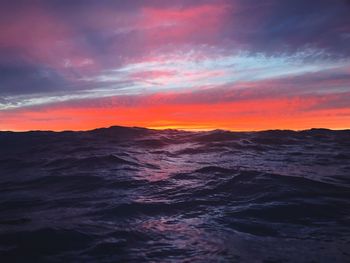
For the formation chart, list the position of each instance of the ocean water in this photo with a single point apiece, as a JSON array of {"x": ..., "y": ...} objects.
[{"x": 137, "y": 195}]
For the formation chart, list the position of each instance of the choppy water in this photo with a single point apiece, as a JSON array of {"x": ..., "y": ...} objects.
[{"x": 137, "y": 195}]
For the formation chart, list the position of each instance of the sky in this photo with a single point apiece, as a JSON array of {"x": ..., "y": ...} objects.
[{"x": 190, "y": 64}]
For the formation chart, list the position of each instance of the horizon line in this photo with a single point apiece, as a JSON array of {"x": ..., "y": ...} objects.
[{"x": 174, "y": 129}]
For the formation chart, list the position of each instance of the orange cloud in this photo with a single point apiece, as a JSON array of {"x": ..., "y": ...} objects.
[{"x": 160, "y": 112}]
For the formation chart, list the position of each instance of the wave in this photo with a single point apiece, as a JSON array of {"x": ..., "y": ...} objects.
[{"x": 90, "y": 162}]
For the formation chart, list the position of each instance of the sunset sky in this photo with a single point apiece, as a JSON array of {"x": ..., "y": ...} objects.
[{"x": 191, "y": 64}]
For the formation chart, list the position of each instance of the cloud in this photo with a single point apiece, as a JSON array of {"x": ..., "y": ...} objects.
[
  {"x": 290, "y": 26},
  {"x": 165, "y": 111},
  {"x": 178, "y": 53},
  {"x": 24, "y": 78}
]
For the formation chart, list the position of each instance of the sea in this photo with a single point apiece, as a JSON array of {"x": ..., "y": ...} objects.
[{"x": 123, "y": 194}]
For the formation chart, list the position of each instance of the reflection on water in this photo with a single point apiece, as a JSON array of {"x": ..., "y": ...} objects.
[{"x": 138, "y": 195}]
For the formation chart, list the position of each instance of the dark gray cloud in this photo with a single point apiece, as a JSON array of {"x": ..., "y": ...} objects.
[
  {"x": 16, "y": 79},
  {"x": 275, "y": 26}
]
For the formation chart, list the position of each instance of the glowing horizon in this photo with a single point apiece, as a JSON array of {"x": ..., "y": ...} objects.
[{"x": 192, "y": 65}]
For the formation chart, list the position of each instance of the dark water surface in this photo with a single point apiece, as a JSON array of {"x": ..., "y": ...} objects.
[{"x": 138, "y": 195}]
